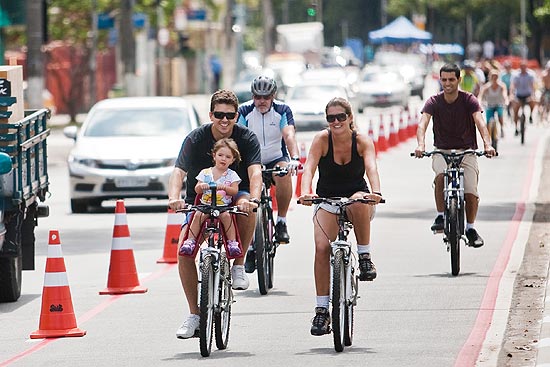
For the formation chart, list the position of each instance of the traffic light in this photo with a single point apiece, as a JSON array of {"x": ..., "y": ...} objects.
[
  {"x": 183, "y": 43},
  {"x": 312, "y": 9}
]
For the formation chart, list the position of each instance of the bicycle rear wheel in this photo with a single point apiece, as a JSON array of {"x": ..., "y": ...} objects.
[
  {"x": 206, "y": 306},
  {"x": 262, "y": 253},
  {"x": 338, "y": 300},
  {"x": 454, "y": 236},
  {"x": 222, "y": 316}
]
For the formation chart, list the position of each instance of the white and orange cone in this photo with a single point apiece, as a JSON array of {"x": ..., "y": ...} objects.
[
  {"x": 123, "y": 276},
  {"x": 57, "y": 317},
  {"x": 171, "y": 237}
]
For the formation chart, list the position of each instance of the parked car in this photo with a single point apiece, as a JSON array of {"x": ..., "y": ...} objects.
[
  {"x": 127, "y": 148},
  {"x": 382, "y": 87},
  {"x": 308, "y": 100}
]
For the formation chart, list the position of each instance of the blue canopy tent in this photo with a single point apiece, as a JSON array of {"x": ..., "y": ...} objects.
[{"x": 401, "y": 30}]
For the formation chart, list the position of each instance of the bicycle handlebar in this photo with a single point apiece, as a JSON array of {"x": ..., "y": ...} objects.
[
  {"x": 340, "y": 201},
  {"x": 479, "y": 153},
  {"x": 206, "y": 209},
  {"x": 280, "y": 171}
]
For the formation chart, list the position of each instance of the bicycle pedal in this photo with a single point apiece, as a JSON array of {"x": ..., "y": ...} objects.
[{"x": 437, "y": 231}]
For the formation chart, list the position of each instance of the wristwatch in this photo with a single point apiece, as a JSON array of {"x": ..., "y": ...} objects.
[{"x": 254, "y": 200}]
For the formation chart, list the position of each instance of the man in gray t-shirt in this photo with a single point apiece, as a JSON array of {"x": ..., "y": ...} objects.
[
  {"x": 456, "y": 115},
  {"x": 522, "y": 88}
]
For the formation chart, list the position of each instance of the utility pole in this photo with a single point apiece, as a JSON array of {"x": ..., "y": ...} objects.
[
  {"x": 35, "y": 57},
  {"x": 128, "y": 45}
]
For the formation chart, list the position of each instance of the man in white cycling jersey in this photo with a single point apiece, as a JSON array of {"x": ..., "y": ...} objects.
[{"x": 273, "y": 123}]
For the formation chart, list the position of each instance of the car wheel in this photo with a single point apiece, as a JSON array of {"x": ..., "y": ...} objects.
[{"x": 79, "y": 206}]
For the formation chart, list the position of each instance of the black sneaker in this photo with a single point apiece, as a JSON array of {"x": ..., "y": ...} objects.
[
  {"x": 367, "y": 270},
  {"x": 281, "y": 233},
  {"x": 250, "y": 261},
  {"x": 320, "y": 325},
  {"x": 438, "y": 224},
  {"x": 474, "y": 239},
  {"x": 516, "y": 133}
]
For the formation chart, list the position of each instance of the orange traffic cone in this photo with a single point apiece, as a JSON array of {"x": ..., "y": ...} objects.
[
  {"x": 402, "y": 133},
  {"x": 393, "y": 138},
  {"x": 374, "y": 140},
  {"x": 57, "y": 317},
  {"x": 173, "y": 229},
  {"x": 122, "y": 269},
  {"x": 411, "y": 130},
  {"x": 382, "y": 141}
]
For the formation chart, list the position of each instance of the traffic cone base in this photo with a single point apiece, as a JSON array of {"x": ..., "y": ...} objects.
[
  {"x": 123, "y": 276},
  {"x": 57, "y": 317}
]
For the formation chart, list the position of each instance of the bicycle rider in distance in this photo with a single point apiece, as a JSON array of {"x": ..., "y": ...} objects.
[
  {"x": 545, "y": 95},
  {"x": 456, "y": 115},
  {"x": 273, "y": 123},
  {"x": 522, "y": 90},
  {"x": 343, "y": 157}
]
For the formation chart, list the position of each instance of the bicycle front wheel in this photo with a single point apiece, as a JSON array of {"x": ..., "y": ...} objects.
[
  {"x": 222, "y": 316},
  {"x": 351, "y": 293},
  {"x": 262, "y": 253},
  {"x": 338, "y": 300},
  {"x": 206, "y": 306},
  {"x": 454, "y": 236}
]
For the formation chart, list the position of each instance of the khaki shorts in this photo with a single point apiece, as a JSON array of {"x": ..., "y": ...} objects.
[{"x": 471, "y": 170}]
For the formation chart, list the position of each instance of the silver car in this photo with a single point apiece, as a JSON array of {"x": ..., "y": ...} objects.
[{"x": 127, "y": 148}]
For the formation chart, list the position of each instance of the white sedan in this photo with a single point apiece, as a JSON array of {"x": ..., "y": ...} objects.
[
  {"x": 383, "y": 88},
  {"x": 127, "y": 148}
]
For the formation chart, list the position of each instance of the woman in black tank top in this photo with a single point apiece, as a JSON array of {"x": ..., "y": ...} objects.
[{"x": 343, "y": 157}]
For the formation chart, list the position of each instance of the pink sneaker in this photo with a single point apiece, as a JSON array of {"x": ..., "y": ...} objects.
[
  {"x": 188, "y": 247},
  {"x": 233, "y": 248}
]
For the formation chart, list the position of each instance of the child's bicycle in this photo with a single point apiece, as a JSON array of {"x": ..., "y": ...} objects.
[
  {"x": 343, "y": 278},
  {"x": 215, "y": 293}
]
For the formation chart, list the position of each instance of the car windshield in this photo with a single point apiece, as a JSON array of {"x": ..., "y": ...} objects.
[{"x": 138, "y": 122}]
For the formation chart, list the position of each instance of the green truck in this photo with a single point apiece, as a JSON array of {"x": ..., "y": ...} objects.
[{"x": 23, "y": 189}]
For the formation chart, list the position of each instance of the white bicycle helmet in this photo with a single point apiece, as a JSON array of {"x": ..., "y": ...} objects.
[{"x": 263, "y": 86}]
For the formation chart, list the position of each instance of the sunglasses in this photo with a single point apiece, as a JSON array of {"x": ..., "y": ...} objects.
[
  {"x": 267, "y": 98},
  {"x": 220, "y": 115},
  {"x": 341, "y": 117}
]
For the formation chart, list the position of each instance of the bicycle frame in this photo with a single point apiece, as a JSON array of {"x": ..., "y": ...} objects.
[{"x": 453, "y": 187}]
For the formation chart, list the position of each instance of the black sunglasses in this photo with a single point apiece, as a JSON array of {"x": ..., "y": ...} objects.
[
  {"x": 267, "y": 98},
  {"x": 220, "y": 115},
  {"x": 341, "y": 117}
]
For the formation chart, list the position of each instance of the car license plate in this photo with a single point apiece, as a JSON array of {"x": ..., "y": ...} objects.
[
  {"x": 131, "y": 182},
  {"x": 381, "y": 99}
]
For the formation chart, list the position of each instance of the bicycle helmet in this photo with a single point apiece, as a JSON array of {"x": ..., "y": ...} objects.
[{"x": 263, "y": 86}]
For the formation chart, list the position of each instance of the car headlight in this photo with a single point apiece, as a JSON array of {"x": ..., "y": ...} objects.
[{"x": 88, "y": 162}]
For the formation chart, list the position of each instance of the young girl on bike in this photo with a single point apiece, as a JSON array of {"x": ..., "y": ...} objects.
[
  {"x": 224, "y": 153},
  {"x": 343, "y": 157}
]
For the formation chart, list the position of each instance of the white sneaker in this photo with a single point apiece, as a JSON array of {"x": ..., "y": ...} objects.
[
  {"x": 187, "y": 330},
  {"x": 239, "y": 278}
]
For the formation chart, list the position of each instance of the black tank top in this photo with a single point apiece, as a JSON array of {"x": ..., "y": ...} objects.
[{"x": 341, "y": 180}]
